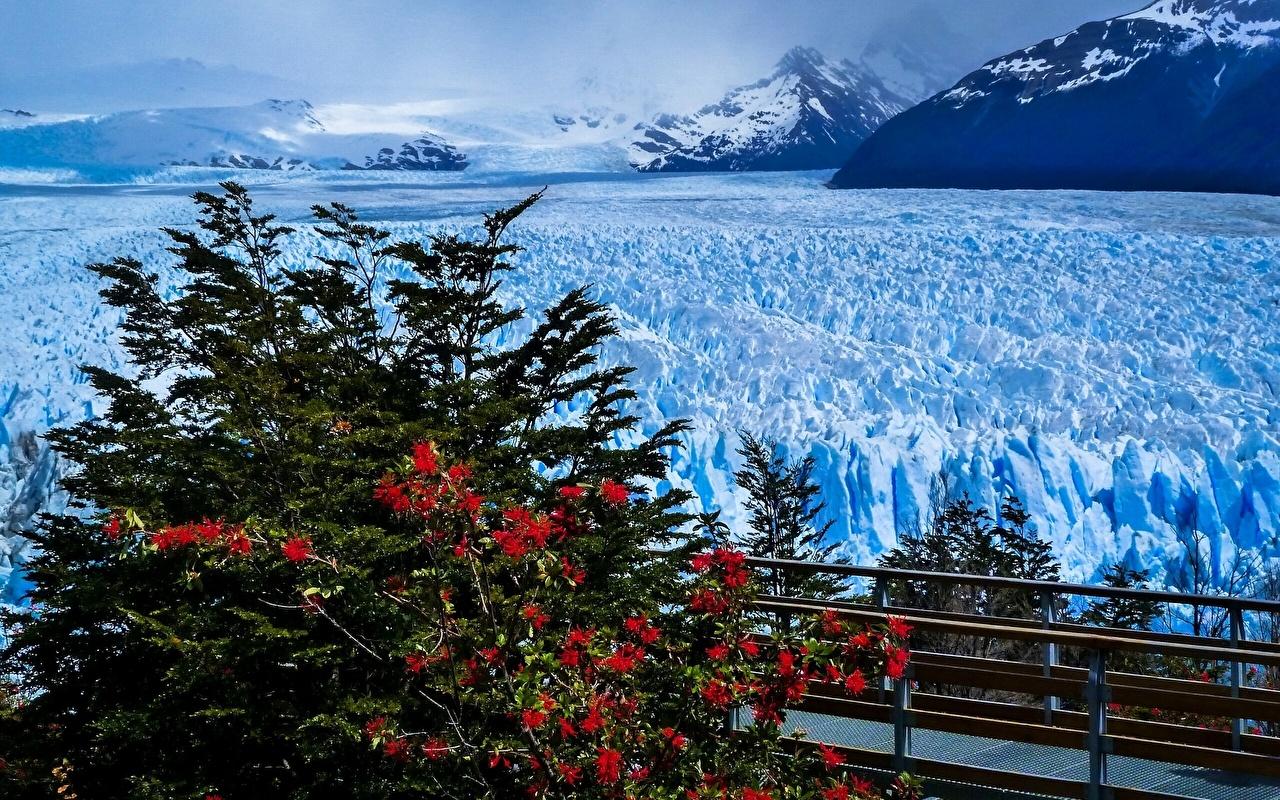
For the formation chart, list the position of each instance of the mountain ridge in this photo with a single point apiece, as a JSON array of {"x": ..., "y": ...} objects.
[
  {"x": 810, "y": 113},
  {"x": 1122, "y": 103}
]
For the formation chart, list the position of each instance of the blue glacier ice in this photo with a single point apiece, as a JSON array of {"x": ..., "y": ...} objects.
[{"x": 1112, "y": 359}]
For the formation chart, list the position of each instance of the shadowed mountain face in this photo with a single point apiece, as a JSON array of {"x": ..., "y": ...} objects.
[
  {"x": 811, "y": 113},
  {"x": 1177, "y": 96}
]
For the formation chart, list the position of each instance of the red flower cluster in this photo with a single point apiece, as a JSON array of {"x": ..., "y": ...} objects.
[
  {"x": 207, "y": 532},
  {"x": 296, "y": 548},
  {"x": 614, "y": 493}
]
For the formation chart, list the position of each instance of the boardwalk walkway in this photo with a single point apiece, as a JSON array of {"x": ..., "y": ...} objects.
[{"x": 1175, "y": 780}]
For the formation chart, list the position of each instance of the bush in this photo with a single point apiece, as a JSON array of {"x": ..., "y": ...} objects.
[{"x": 302, "y": 603}]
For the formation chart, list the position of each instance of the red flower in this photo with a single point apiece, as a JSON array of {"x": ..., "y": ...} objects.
[
  {"x": 855, "y": 683},
  {"x": 594, "y": 720},
  {"x": 677, "y": 740},
  {"x": 238, "y": 543},
  {"x": 391, "y": 494},
  {"x": 898, "y": 627},
  {"x": 837, "y": 792},
  {"x": 396, "y": 749},
  {"x": 830, "y": 758},
  {"x": 639, "y": 626},
  {"x": 296, "y": 548},
  {"x": 210, "y": 531},
  {"x": 718, "y": 652},
  {"x": 572, "y": 492},
  {"x": 435, "y": 748},
  {"x": 623, "y": 659},
  {"x": 575, "y": 575},
  {"x": 708, "y": 602},
  {"x": 567, "y": 731},
  {"x": 895, "y": 664},
  {"x": 608, "y": 765},
  {"x": 701, "y": 562},
  {"x": 375, "y": 727},
  {"x": 717, "y": 693},
  {"x": 498, "y": 760},
  {"x": 536, "y": 617},
  {"x": 614, "y": 493},
  {"x": 532, "y": 718},
  {"x": 459, "y": 473},
  {"x": 112, "y": 528},
  {"x": 425, "y": 459},
  {"x": 415, "y": 662},
  {"x": 569, "y": 773}
]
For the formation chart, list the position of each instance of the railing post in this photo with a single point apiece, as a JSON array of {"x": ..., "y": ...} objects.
[
  {"x": 1237, "y": 672},
  {"x": 1096, "y": 694},
  {"x": 880, "y": 594},
  {"x": 1048, "y": 616},
  {"x": 901, "y": 724}
]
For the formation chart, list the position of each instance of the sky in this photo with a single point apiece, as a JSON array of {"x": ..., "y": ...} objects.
[{"x": 678, "y": 53}]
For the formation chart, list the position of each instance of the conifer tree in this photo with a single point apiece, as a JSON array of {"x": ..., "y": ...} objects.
[
  {"x": 964, "y": 538},
  {"x": 275, "y": 392},
  {"x": 784, "y": 511}
]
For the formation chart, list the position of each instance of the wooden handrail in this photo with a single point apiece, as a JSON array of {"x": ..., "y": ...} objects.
[{"x": 1087, "y": 641}]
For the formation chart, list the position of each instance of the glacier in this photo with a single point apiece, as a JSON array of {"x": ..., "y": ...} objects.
[{"x": 1111, "y": 358}]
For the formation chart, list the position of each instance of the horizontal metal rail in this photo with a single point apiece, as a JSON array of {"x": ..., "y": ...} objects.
[{"x": 1029, "y": 586}]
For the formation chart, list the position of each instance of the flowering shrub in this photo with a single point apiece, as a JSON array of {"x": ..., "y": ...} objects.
[{"x": 525, "y": 696}]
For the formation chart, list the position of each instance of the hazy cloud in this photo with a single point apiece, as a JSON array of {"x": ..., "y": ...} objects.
[{"x": 378, "y": 50}]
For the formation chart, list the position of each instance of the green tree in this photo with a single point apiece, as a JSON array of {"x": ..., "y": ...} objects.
[
  {"x": 784, "y": 511},
  {"x": 273, "y": 392},
  {"x": 964, "y": 538}
]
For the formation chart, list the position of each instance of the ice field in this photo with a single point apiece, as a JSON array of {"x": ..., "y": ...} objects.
[{"x": 1112, "y": 359}]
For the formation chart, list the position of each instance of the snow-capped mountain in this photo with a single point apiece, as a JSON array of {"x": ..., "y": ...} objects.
[
  {"x": 809, "y": 114},
  {"x": 1168, "y": 97},
  {"x": 427, "y": 152},
  {"x": 271, "y": 135}
]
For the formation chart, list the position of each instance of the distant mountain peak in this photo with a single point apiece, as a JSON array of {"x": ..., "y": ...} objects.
[
  {"x": 1179, "y": 95},
  {"x": 801, "y": 59},
  {"x": 810, "y": 113}
]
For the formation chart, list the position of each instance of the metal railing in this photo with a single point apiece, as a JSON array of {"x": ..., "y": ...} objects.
[{"x": 1094, "y": 731}]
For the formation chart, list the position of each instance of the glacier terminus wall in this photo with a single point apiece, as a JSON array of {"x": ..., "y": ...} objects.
[{"x": 1111, "y": 359}]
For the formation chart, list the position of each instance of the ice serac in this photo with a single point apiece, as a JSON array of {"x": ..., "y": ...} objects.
[
  {"x": 28, "y": 476},
  {"x": 809, "y": 114},
  {"x": 1180, "y": 95}
]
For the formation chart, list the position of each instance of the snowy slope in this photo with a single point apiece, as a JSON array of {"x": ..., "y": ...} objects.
[
  {"x": 809, "y": 114},
  {"x": 1133, "y": 102},
  {"x": 273, "y": 134},
  {"x": 1112, "y": 359}
]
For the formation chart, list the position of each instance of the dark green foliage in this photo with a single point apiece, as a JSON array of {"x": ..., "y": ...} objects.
[
  {"x": 286, "y": 394},
  {"x": 1123, "y": 613},
  {"x": 784, "y": 512},
  {"x": 963, "y": 538},
  {"x": 1118, "y": 612}
]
